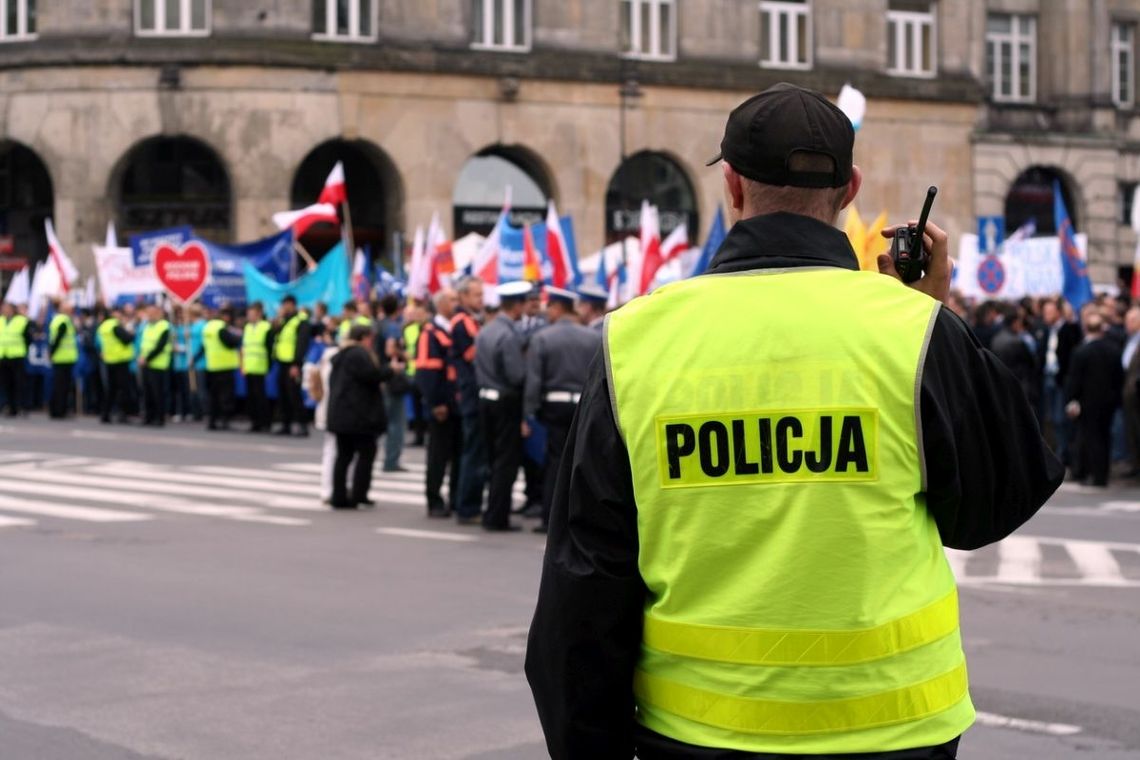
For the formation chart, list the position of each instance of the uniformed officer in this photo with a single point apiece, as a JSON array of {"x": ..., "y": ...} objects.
[
  {"x": 473, "y": 462},
  {"x": 592, "y": 302},
  {"x": 63, "y": 346},
  {"x": 752, "y": 517},
  {"x": 16, "y": 334},
  {"x": 221, "y": 343},
  {"x": 154, "y": 358},
  {"x": 435, "y": 377},
  {"x": 292, "y": 335},
  {"x": 256, "y": 341},
  {"x": 556, "y": 363},
  {"x": 500, "y": 370},
  {"x": 117, "y": 350},
  {"x": 532, "y": 320}
]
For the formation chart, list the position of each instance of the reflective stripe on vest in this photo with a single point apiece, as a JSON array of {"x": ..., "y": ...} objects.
[
  {"x": 68, "y": 350},
  {"x": 152, "y": 333},
  {"x": 12, "y": 345},
  {"x": 254, "y": 354},
  {"x": 219, "y": 356},
  {"x": 825, "y": 621},
  {"x": 113, "y": 350},
  {"x": 285, "y": 347}
]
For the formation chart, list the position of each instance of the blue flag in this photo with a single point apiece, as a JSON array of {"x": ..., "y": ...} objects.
[
  {"x": 327, "y": 283},
  {"x": 1077, "y": 288},
  {"x": 272, "y": 257},
  {"x": 716, "y": 236}
]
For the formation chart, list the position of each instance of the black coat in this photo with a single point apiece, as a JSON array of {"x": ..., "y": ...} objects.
[
  {"x": 1096, "y": 377},
  {"x": 1068, "y": 338},
  {"x": 356, "y": 405}
]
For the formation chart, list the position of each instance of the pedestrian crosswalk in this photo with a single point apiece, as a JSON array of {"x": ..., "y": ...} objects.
[
  {"x": 36, "y": 488},
  {"x": 1044, "y": 561}
]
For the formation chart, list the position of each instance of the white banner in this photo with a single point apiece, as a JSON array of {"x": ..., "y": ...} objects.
[
  {"x": 1030, "y": 267},
  {"x": 119, "y": 276}
]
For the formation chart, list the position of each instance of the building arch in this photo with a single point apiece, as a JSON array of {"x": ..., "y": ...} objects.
[
  {"x": 659, "y": 178},
  {"x": 375, "y": 193},
  {"x": 170, "y": 181},
  {"x": 1030, "y": 198},
  {"x": 481, "y": 188},
  {"x": 27, "y": 198}
]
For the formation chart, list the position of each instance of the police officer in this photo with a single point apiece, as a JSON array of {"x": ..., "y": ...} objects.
[
  {"x": 592, "y": 302},
  {"x": 63, "y": 347},
  {"x": 117, "y": 351},
  {"x": 154, "y": 358},
  {"x": 556, "y": 363},
  {"x": 473, "y": 462},
  {"x": 532, "y": 320},
  {"x": 255, "y": 346},
  {"x": 435, "y": 376},
  {"x": 292, "y": 335},
  {"x": 752, "y": 518},
  {"x": 16, "y": 334},
  {"x": 500, "y": 370},
  {"x": 221, "y": 344}
]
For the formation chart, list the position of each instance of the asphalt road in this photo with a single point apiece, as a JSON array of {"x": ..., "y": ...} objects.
[{"x": 172, "y": 594}]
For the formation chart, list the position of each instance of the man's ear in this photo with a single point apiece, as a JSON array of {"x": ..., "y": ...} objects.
[
  {"x": 733, "y": 190},
  {"x": 853, "y": 186}
]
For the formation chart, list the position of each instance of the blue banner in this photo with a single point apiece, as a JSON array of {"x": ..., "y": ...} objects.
[
  {"x": 143, "y": 245},
  {"x": 272, "y": 257},
  {"x": 328, "y": 283},
  {"x": 1077, "y": 288},
  {"x": 716, "y": 236}
]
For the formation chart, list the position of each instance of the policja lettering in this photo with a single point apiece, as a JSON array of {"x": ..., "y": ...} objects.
[{"x": 768, "y": 447}]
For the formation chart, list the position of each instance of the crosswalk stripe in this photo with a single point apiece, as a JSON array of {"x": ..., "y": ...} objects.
[
  {"x": 242, "y": 472},
  {"x": 429, "y": 534},
  {"x": 65, "y": 511},
  {"x": 15, "y": 522},
  {"x": 1019, "y": 560},
  {"x": 253, "y": 483},
  {"x": 1096, "y": 563}
]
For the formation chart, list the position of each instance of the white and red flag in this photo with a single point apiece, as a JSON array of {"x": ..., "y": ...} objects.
[
  {"x": 557, "y": 251},
  {"x": 302, "y": 219},
  {"x": 335, "y": 190},
  {"x": 419, "y": 272},
  {"x": 643, "y": 270},
  {"x": 68, "y": 273}
]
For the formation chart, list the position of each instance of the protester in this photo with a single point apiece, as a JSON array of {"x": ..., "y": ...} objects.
[
  {"x": 435, "y": 377},
  {"x": 1014, "y": 345},
  {"x": 1130, "y": 361},
  {"x": 316, "y": 376},
  {"x": 1092, "y": 394},
  {"x": 221, "y": 343},
  {"x": 292, "y": 331},
  {"x": 63, "y": 347},
  {"x": 154, "y": 359},
  {"x": 117, "y": 350},
  {"x": 390, "y": 345},
  {"x": 415, "y": 315},
  {"x": 256, "y": 345},
  {"x": 16, "y": 335},
  {"x": 473, "y": 461},
  {"x": 356, "y": 414}
]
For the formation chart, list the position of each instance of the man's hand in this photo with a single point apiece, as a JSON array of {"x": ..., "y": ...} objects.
[
  {"x": 439, "y": 412},
  {"x": 936, "y": 282}
]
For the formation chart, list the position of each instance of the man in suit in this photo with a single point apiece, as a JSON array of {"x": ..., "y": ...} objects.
[
  {"x": 1057, "y": 338},
  {"x": 1092, "y": 393},
  {"x": 1131, "y": 395},
  {"x": 1015, "y": 347}
]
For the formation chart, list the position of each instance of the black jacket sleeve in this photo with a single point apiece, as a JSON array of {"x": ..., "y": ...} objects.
[
  {"x": 363, "y": 371},
  {"x": 60, "y": 333},
  {"x": 160, "y": 345},
  {"x": 988, "y": 468},
  {"x": 229, "y": 338},
  {"x": 304, "y": 340},
  {"x": 124, "y": 335},
  {"x": 586, "y": 634}
]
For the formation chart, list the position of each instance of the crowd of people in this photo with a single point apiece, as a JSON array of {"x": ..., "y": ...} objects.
[
  {"x": 488, "y": 391},
  {"x": 1080, "y": 372}
]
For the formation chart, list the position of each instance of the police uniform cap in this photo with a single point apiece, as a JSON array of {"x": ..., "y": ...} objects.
[
  {"x": 566, "y": 297},
  {"x": 514, "y": 291},
  {"x": 593, "y": 294}
]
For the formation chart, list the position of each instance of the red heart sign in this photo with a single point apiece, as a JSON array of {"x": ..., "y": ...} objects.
[{"x": 182, "y": 271}]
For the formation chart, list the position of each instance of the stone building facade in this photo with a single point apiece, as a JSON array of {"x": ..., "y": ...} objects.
[{"x": 127, "y": 116}]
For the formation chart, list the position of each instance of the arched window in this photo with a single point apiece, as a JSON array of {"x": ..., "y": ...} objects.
[
  {"x": 375, "y": 194},
  {"x": 482, "y": 186},
  {"x": 173, "y": 181},
  {"x": 1031, "y": 199},
  {"x": 654, "y": 177},
  {"x": 25, "y": 200}
]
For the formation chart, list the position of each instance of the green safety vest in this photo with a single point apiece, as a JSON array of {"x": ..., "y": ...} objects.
[
  {"x": 412, "y": 338},
  {"x": 113, "y": 351},
  {"x": 150, "y": 337},
  {"x": 285, "y": 347},
  {"x": 219, "y": 356},
  {"x": 12, "y": 345},
  {"x": 68, "y": 350},
  {"x": 824, "y": 619},
  {"x": 254, "y": 354},
  {"x": 347, "y": 325}
]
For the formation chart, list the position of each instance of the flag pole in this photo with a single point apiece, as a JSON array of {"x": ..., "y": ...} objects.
[
  {"x": 308, "y": 257},
  {"x": 350, "y": 247}
]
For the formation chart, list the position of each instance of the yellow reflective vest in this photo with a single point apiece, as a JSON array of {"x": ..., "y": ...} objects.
[
  {"x": 219, "y": 356},
  {"x": 285, "y": 347},
  {"x": 68, "y": 350},
  {"x": 150, "y": 337},
  {"x": 346, "y": 326},
  {"x": 113, "y": 350},
  {"x": 254, "y": 354},
  {"x": 12, "y": 345},
  {"x": 799, "y": 600}
]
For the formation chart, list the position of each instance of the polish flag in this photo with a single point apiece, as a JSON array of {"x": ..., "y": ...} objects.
[
  {"x": 302, "y": 219},
  {"x": 532, "y": 261},
  {"x": 441, "y": 264},
  {"x": 486, "y": 264},
  {"x": 335, "y": 190},
  {"x": 360, "y": 279},
  {"x": 671, "y": 249},
  {"x": 650, "y": 261},
  {"x": 561, "y": 263},
  {"x": 68, "y": 274},
  {"x": 418, "y": 274}
]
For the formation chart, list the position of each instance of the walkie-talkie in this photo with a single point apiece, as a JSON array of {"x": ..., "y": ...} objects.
[{"x": 907, "y": 250}]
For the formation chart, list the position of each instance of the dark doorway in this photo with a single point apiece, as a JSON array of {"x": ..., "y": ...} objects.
[
  {"x": 26, "y": 200},
  {"x": 1031, "y": 199},
  {"x": 482, "y": 184},
  {"x": 654, "y": 177}
]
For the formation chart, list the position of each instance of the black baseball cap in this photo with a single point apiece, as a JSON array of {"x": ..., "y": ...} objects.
[{"x": 765, "y": 131}]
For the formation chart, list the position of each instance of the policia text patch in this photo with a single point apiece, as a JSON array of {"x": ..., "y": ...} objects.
[{"x": 772, "y": 446}]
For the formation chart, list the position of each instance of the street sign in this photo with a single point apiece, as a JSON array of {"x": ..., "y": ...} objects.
[{"x": 991, "y": 233}]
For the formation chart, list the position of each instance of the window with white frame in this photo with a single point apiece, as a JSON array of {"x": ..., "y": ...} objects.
[
  {"x": 1011, "y": 57},
  {"x": 649, "y": 29},
  {"x": 911, "y": 46},
  {"x": 785, "y": 34},
  {"x": 172, "y": 18},
  {"x": 1123, "y": 64},
  {"x": 17, "y": 20},
  {"x": 502, "y": 24},
  {"x": 344, "y": 20}
]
